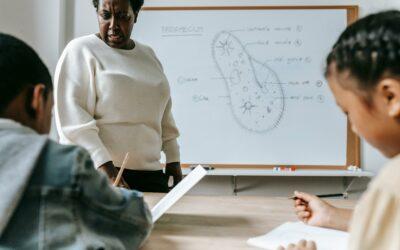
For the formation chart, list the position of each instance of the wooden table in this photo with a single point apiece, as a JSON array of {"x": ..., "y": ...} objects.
[{"x": 215, "y": 222}]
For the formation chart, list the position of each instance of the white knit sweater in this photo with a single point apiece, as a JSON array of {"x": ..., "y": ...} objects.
[{"x": 113, "y": 101}]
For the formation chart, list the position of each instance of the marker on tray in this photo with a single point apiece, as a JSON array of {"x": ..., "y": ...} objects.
[{"x": 281, "y": 168}]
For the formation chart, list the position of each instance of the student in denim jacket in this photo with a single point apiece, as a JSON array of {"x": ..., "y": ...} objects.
[{"x": 51, "y": 195}]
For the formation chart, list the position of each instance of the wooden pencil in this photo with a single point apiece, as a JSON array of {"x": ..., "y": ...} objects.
[
  {"x": 320, "y": 196},
  {"x": 121, "y": 170}
]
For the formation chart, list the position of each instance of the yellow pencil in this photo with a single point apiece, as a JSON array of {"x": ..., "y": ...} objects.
[{"x": 121, "y": 170}]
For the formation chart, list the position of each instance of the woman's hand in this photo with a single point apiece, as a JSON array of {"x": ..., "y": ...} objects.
[
  {"x": 174, "y": 169},
  {"x": 302, "y": 245},
  {"x": 111, "y": 171},
  {"x": 316, "y": 212}
]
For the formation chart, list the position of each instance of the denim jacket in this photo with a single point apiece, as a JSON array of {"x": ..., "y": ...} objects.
[{"x": 64, "y": 203}]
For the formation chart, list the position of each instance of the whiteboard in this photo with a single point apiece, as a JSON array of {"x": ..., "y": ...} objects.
[{"x": 247, "y": 85}]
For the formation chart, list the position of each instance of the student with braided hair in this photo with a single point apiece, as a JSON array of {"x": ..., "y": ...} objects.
[{"x": 363, "y": 71}]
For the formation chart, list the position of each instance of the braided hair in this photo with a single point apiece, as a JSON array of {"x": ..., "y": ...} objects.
[
  {"x": 135, "y": 4},
  {"x": 369, "y": 49}
]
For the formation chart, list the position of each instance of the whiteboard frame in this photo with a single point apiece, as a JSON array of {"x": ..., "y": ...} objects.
[{"x": 353, "y": 154}]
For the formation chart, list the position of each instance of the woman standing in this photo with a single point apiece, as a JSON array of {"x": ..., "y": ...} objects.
[{"x": 112, "y": 97}]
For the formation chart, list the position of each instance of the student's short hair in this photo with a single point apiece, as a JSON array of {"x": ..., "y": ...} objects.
[
  {"x": 20, "y": 67},
  {"x": 369, "y": 49},
  {"x": 135, "y": 4}
]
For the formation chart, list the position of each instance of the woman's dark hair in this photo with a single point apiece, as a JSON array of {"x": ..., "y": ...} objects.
[
  {"x": 135, "y": 4},
  {"x": 369, "y": 49},
  {"x": 20, "y": 68}
]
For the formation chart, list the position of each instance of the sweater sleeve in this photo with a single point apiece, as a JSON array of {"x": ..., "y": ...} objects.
[
  {"x": 376, "y": 222},
  {"x": 113, "y": 208},
  {"x": 170, "y": 134},
  {"x": 75, "y": 101}
]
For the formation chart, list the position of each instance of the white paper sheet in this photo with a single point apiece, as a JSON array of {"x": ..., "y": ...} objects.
[
  {"x": 180, "y": 190},
  {"x": 293, "y": 232}
]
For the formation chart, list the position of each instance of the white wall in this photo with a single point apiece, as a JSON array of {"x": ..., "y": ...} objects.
[
  {"x": 36, "y": 22},
  {"x": 82, "y": 21}
]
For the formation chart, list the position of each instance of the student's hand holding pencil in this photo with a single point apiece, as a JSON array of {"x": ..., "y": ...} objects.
[
  {"x": 119, "y": 180},
  {"x": 112, "y": 172},
  {"x": 314, "y": 211}
]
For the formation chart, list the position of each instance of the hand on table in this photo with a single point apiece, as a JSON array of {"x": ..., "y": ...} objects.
[
  {"x": 111, "y": 171},
  {"x": 174, "y": 169}
]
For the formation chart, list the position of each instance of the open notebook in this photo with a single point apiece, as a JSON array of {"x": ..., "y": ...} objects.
[
  {"x": 293, "y": 232},
  {"x": 177, "y": 192}
]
